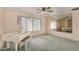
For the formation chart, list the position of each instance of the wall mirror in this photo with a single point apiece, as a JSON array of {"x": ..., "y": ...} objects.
[{"x": 62, "y": 24}]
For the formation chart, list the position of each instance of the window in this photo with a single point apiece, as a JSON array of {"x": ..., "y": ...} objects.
[
  {"x": 36, "y": 24},
  {"x": 23, "y": 25},
  {"x": 53, "y": 24},
  {"x": 29, "y": 24}
]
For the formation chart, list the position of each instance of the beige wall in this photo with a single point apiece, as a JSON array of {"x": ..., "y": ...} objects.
[
  {"x": 1, "y": 21},
  {"x": 75, "y": 28},
  {"x": 11, "y": 24},
  {"x": 8, "y": 23}
]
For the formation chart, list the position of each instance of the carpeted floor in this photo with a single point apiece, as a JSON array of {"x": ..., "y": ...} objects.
[
  {"x": 52, "y": 43},
  {"x": 49, "y": 43}
]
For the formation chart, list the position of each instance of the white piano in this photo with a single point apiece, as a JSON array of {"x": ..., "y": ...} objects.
[{"x": 15, "y": 37}]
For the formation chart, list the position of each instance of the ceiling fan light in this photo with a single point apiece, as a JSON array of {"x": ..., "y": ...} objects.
[{"x": 43, "y": 12}]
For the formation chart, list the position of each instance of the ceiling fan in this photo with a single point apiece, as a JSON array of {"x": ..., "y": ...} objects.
[{"x": 44, "y": 10}]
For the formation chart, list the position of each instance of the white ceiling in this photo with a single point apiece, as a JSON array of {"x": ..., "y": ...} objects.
[{"x": 57, "y": 10}]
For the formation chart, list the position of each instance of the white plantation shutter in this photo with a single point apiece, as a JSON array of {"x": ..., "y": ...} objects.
[
  {"x": 38, "y": 24},
  {"x": 29, "y": 24},
  {"x": 23, "y": 25},
  {"x": 34, "y": 25}
]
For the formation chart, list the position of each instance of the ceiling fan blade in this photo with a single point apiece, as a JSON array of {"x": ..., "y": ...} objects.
[
  {"x": 38, "y": 12},
  {"x": 38, "y": 9},
  {"x": 48, "y": 7},
  {"x": 50, "y": 11}
]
